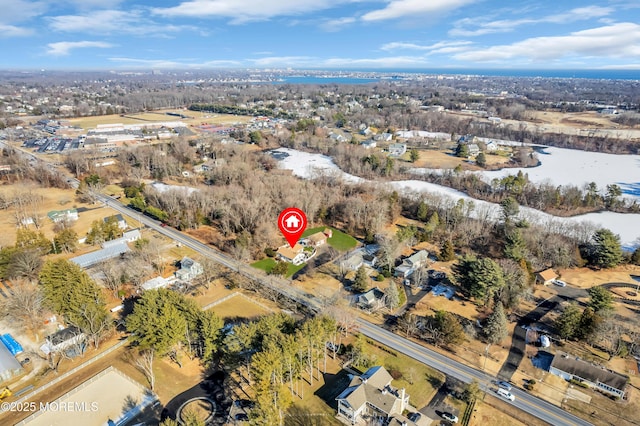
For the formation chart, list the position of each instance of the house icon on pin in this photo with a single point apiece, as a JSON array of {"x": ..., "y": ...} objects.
[{"x": 292, "y": 221}]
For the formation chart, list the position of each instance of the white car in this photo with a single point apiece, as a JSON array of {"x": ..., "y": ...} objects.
[
  {"x": 450, "y": 417},
  {"x": 559, "y": 283},
  {"x": 506, "y": 394}
]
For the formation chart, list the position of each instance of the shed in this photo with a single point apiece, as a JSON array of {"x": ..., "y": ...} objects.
[
  {"x": 546, "y": 277},
  {"x": 9, "y": 365}
]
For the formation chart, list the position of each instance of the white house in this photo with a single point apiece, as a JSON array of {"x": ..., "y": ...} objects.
[
  {"x": 293, "y": 255},
  {"x": 369, "y": 144},
  {"x": 491, "y": 146},
  {"x": 371, "y": 394},
  {"x": 189, "y": 269},
  {"x": 411, "y": 263},
  {"x": 397, "y": 149},
  {"x": 600, "y": 378}
]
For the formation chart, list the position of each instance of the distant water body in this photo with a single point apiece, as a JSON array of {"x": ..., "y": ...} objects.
[{"x": 400, "y": 74}]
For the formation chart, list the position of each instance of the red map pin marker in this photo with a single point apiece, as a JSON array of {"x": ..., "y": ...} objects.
[{"x": 292, "y": 223}]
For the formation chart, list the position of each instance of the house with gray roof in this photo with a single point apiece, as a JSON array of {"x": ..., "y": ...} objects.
[
  {"x": 371, "y": 300},
  {"x": 600, "y": 378},
  {"x": 189, "y": 269},
  {"x": 371, "y": 396},
  {"x": 110, "y": 251},
  {"x": 411, "y": 263}
]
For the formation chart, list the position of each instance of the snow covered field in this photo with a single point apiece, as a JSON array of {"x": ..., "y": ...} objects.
[
  {"x": 626, "y": 225},
  {"x": 561, "y": 166}
]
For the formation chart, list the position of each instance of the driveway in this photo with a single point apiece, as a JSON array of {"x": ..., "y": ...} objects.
[
  {"x": 434, "y": 409},
  {"x": 212, "y": 389}
]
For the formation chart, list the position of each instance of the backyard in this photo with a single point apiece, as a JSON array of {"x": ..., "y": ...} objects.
[{"x": 338, "y": 240}]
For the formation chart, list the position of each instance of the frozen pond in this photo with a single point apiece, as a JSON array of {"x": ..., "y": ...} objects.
[
  {"x": 304, "y": 165},
  {"x": 561, "y": 166}
]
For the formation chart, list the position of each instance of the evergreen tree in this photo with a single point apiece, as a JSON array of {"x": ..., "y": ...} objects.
[
  {"x": 414, "y": 155},
  {"x": 589, "y": 321},
  {"x": 479, "y": 278},
  {"x": 462, "y": 150},
  {"x": 65, "y": 241},
  {"x": 447, "y": 253},
  {"x": 568, "y": 322},
  {"x": 280, "y": 268},
  {"x": 423, "y": 211},
  {"x": 481, "y": 159},
  {"x": 600, "y": 299},
  {"x": 28, "y": 239},
  {"x": 514, "y": 246},
  {"x": 635, "y": 257},
  {"x": 606, "y": 249},
  {"x": 70, "y": 292},
  {"x": 361, "y": 281},
  {"x": 448, "y": 329},
  {"x": 496, "y": 330}
]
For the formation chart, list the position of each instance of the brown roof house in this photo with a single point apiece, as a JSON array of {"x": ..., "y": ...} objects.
[
  {"x": 600, "y": 378},
  {"x": 546, "y": 277},
  {"x": 318, "y": 239},
  {"x": 371, "y": 396},
  {"x": 293, "y": 255}
]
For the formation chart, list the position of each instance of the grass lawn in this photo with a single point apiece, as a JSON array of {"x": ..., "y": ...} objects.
[
  {"x": 420, "y": 381},
  {"x": 268, "y": 263},
  {"x": 239, "y": 307},
  {"x": 339, "y": 240}
]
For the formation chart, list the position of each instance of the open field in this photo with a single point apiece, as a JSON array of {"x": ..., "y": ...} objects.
[
  {"x": 446, "y": 159},
  {"x": 52, "y": 199},
  {"x": 339, "y": 240},
  {"x": 239, "y": 307},
  {"x": 588, "y": 123}
]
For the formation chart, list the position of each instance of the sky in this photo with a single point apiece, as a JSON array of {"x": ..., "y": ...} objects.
[{"x": 321, "y": 34}]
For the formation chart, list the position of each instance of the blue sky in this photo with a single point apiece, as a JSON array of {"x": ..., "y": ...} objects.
[{"x": 355, "y": 34}]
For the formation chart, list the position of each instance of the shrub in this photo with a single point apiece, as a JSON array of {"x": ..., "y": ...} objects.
[
  {"x": 270, "y": 252},
  {"x": 579, "y": 383},
  {"x": 395, "y": 373},
  {"x": 529, "y": 385},
  {"x": 380, "y": 277}
]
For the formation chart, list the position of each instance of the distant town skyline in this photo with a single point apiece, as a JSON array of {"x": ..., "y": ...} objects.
[{"x": 321, "y": 34}]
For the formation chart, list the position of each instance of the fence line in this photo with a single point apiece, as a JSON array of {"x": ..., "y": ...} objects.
[{"x": 71, "y": 372}]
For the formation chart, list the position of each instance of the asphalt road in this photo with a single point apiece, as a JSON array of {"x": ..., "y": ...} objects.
[{"x": 524, "y": 401}]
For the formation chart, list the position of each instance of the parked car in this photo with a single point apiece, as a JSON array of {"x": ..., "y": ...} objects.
[
  {"x": 450, "y": 417},
  {"x": 559, "y": 283},
  {"x": 244, "y": 403},
  {"x": 241, "y": 417},
  {"x": 504, "y": 385},
  {"x": 505, "y": 394},
  {"x": 414, "y": 417}
]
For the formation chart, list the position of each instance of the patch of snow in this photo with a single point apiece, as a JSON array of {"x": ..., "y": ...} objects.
[
  {"x": 560, "y": 166},
  {"x": 163, "y": 187},
  {"x": 307, "y": 165}
]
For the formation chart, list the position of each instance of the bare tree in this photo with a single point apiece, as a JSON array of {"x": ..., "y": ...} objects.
[
  {"x": 144, "y": 363},
  {"x": 25, "y": 306}
]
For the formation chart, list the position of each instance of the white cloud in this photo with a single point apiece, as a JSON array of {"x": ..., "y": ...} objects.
[
  {"x": 245, "y": 10},
  {"x": 20, "y": 10},
  {"x": 440, "y": 47},
  {"x": 284, "y": 61},
  {"x": 95, "y": 4},
  {"x": 7, "y": 31},
  {"x": 412, "y": 8},
  {"x": 173, "y": 64},
  {"x": 475, "y": 27},
  {"x": 112, "y": 22},
  {"x": 614, "y": 41},
  {"x": 63, "y": 48},
  {"x": 337, "y": 24}
]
